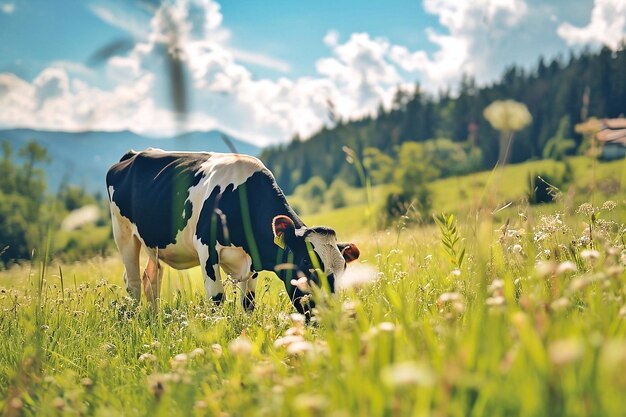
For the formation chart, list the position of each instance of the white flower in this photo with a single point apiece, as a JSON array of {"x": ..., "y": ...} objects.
[
  {"x": 302, "y": 284},
  {"x": 565, "y": 268},
  {"x": 147, "y": 357},
  {"x": 242, "y": 346},
  {"x": 565, "y": 351},
  {"x": 196, "y": 352},
  {"x": 449, "y": 296},
  {"x": 386, "y": 327},
  {"x": 287, "y": 340},
  {"x": 545, "y": 268},
  {"x": 179, "y": 360},
  {"x": 407, "y": 374},
  {"x": 298, "y": 348},
  {"x": 495, "y": 301},
  {"x": 216, "y": 348},
  {"x": 590, "y": 254},
  {"x": 297, "y": 319},
  {"x": 357, "y": 275}
]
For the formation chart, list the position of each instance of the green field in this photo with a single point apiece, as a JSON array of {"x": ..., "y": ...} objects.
[{"x": 530, "y": 321}]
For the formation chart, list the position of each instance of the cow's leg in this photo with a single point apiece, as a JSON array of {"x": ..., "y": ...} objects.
[
  {"x": 210, "y": 273},
  {"x": 248, "y": 291},
  {"x": 213, "y": 285},
  {"x": 129, "y": 247},
  {"x": 152, "y": 277},
  {"x": 238, "y": 264}
]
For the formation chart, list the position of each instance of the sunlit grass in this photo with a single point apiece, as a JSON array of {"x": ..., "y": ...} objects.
[{"x": 531, "y": 322}]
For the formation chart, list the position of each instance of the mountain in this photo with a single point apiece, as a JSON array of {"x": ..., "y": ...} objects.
[{"x": 82, "y": 158}]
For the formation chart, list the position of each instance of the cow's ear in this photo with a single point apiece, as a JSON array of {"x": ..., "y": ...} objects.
[
  {"x": 349, "y": 251},
  {"x": 284, "y": 229}
]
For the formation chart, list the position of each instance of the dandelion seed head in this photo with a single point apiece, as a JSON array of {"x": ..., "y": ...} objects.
[{"x": 357, "y": 275}]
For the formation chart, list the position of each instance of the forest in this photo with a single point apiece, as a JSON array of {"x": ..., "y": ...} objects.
[{"x": 559, "y": 94}]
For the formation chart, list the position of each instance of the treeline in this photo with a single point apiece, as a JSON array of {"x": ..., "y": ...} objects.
[
  {"x": 70, "y": 224},
  {"x": 559, "y": 94}
]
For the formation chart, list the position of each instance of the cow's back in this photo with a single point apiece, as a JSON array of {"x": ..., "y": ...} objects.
[{"x": 161, "y": 193}]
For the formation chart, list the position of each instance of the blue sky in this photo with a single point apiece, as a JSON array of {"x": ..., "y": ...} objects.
[{"x": 266, "y": 70}]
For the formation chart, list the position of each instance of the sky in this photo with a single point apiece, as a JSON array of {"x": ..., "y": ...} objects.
[{"x": 266, "y": 70}]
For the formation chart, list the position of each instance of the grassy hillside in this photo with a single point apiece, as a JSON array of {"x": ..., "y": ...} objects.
[
  {"x": 486, "y": 191},
  {"x": 529, "y": 322}
]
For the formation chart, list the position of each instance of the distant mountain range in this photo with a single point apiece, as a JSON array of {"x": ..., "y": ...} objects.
[{"x": 83, "y": 158}]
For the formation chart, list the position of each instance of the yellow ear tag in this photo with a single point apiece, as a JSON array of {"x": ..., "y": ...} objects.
[{"x": 279, "y": 240}]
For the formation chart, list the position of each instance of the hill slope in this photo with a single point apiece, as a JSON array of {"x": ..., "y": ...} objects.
[{"x": 83, "y": 158}]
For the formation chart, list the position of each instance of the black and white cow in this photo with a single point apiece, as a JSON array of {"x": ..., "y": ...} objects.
[{"x": 214, "y": 210}]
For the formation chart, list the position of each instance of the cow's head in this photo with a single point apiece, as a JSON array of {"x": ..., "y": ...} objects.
[{"x": 315, "y": 249}]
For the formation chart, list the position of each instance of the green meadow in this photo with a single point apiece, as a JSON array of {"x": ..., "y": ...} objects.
[{"x": 499, "y": 308}]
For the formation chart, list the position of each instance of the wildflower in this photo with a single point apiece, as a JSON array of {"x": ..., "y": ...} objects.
[
  {"x": 609, "y": 205},
  {"x": 16, "y": 403},
  {"x": 357, "y": 275},
  {"x": 242, "y": 346},
  {"x": 295, "y": 331},
  {"x": 449, "y": 296},
  {"x": 496, "y": 286},
  {"x": 545, "y": 268},
  {"x": 58, "y": 403},
  {"x": 302, "y": 284},
  {"x": 386, "y": 327},
  {"x": 590, "y": 254},
  {"x": 452, "y": 299},
  {"x": 147, "y": 357},
  {"x": 179, "y": 360},
  {"x": 287, "y": 340},
  {"x": 299, "y": 348},
  {"x": 586, "y": 209},
  {"x": 563, "y": 352},
  {"x": 216, "y": 348},
  {"x": 86, "y": 382},
  {"x": 560, "y": 304},
  {"x": 495, "y": 301},
  {"x": 200, "y": 405},
  {"x": 456, "y": 272},
  {"x": 196, "y": 353},
  {"x": 565, "y": 268},
  {"x": 407, "y": 374},
  {"x": 313, "y": 404},
  {"x": 297, "y": 319}
]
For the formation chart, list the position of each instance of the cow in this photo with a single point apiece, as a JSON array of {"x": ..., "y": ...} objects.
[{"x": 222, "y": 211}]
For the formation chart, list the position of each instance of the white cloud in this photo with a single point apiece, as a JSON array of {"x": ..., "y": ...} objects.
[
  {"x": 119, "y": 18},
  {"x": 262, "y": 60},
  {"x": 478, "y": 38},
  {"x": 606, "y": 27},
  {"x": 475, "y": 33},
  {"x": 7, "y": 8}
]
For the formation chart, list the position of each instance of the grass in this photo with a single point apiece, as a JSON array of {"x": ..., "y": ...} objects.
[{"x": 530, "y": 322}]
